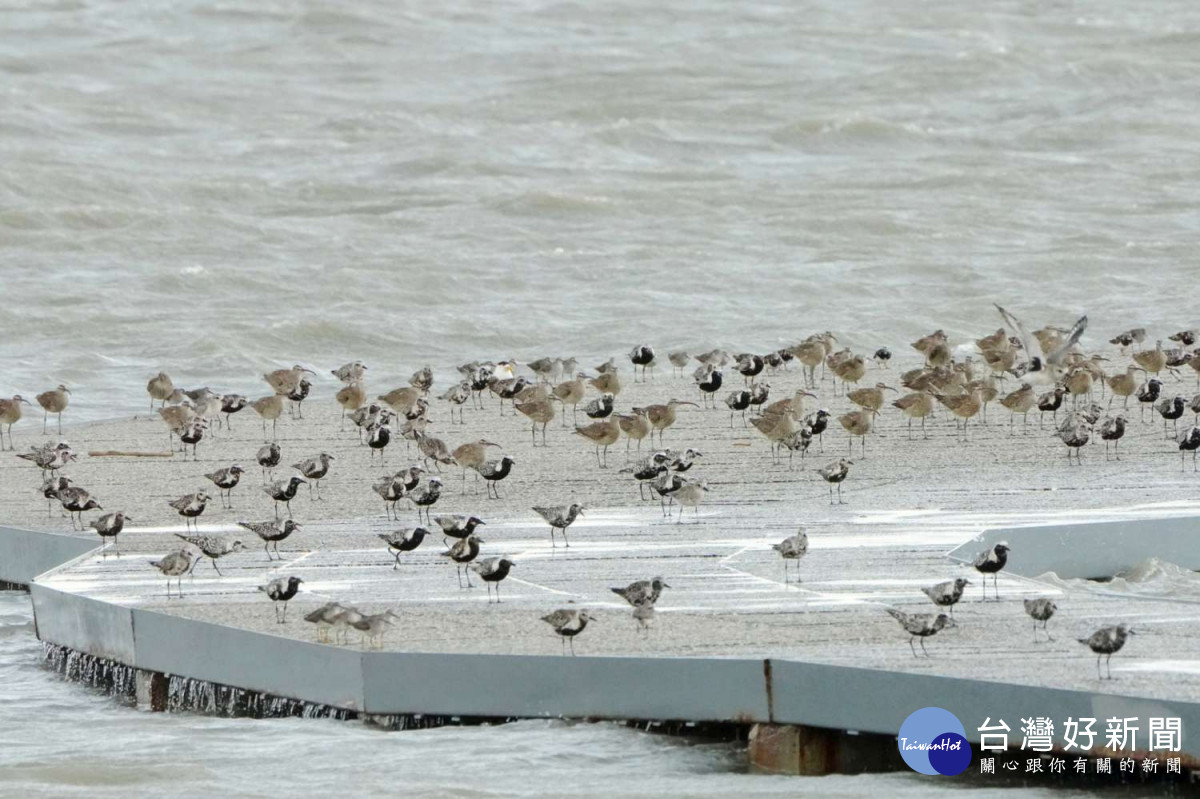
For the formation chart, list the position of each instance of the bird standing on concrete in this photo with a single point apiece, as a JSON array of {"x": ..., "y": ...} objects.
[
  {"x": 269, "y": 409},
  {"x": 920, "y": 626},
  {"x": 462, "y": 553},
  {"x": 794, "y": 547},
  {"x": 314, "y": 469},
  {"x": 663, "y": 416},
  {"x": 226, "y": 480},
  {"x": 212, "y": 547},
  {"x": 567, "y": 624},
  {"x": 947, "y": 594},
  {"x": 426, "y": 496},
  {"x": 190, "y": 506},
  {"x": 493, "y": 570},
  {"x": 399, "y": 541},
  {"x": 458, "y": 526},
  {"x": 643, "y": 356},
  {"x": 1107, "y": 641},
  {"x": 174, "y": 564},
  {"x": 1040, "y": 609},
  {"x": 560, "y": 517},
  {"x": 268, "y": 457},
  {"x": 642, "y": 592},
  {"x": 109, "y": 526},
  {"x": 835, "y": 474},
  {"x": 284, "y": 491},
  {"x": 280, "y": 591},
  {"x": 271, "y": 533},
  {"x": 991, "y": 561}
]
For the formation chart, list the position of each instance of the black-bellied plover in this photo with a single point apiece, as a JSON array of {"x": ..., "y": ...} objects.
[
  {"x": 1189, "y": 441},
  {"x": 709, "y": 383},
  {"x": 280, "y": 591},
  {"x": 272, "y": 533},
  {"x": 109, "y": 526},
  {"x": 353, "y": 372},
  {"x": 50, "y": 488},
  {"x": 458, "y": 526},
  {"x": 76, "y": 501},
  {"x": 1171, "y": 410},
  {"x": 49, "y": 457},
  {"x": 642, "y": 592},
  {"x": 268, "y": 457},
  {"x": 314, "y": 469},
  {"x": 881, "y": 357},
  {"x": 567, "y": 624},
  {"x": 493, "y": 472},
  {"x": 391, "y": 490},
  {"x": 231, "y": 404},
  {"x": 462, "y": 553},
  {"x": 666, "y": 485},
  {"x": 174, "y": 564},
  {"x": 794, "y": 547},
  {"x": 226, "y": 480},
  {"x": 456, "y": 397},
  {"x": 644, "y": 615},
  {"x": 1147, "y": 394},
  {"x": 10, "y": 414},
  {"x": 160, "y": 388},
  {"x": 642, "y": 355},
  {"x": 835, "y": 474},
  {"x": 1107, "y": 641},
  {"x": 400, "y": 541},
  {"x": 192, "y": 434},
  {"x": 297, "y": 396},
  {"x": 947, "y": 594},
  {"x": 284, "y": 491},
  {"x": 378, "y": 437},
  {"x": 54, "y": 401},
  {"x": 663, "y": 416},
  {"x": 493, "y": 570},
  {"x": 1111, "y": 431},
  {"x": 737, "y": 401},
  {"x": 599, "y": 408},
  {"x": 749, "y": 366},
  {"x": 212, "y": 547},
  {"x": 422, "y": 379},
  {"x": 1050, "y": 402},
  {"x": 920, "y": 626},
  {"x": 1075, "y": 433},
  {"x": 424, "y": 497},
  {"x": 648, "y": 469},
  {"x": 1040, "y": 609},
  {"x": 190, "y": 506},
  {"x": 991, "y": 561},
  {"x": 560, "y": 517}
]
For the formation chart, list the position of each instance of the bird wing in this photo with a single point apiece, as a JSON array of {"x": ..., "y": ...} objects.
[
  {"x": 1070, "y": 341},
  {"x": 1018, "y": 328}
]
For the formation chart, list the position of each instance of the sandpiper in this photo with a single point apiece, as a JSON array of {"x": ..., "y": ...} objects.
[
  {"x": 1040, "y": 609},
  {"x": 160, "y": 388},
  {"x": 212, "y": 547},
  {"x": 560, "y": 517},
  {"x": 353, "y": 372},
  {"x": 642, "y": 592},
  {"x": 190, "y": 506},
  {"x": 947, "y": 594},
  {"x": 280, "y": 591},
  {"x": 567, "y": 624},
  {"x": 794, "y": 547},
  {"x": 493, "y": 472},
  {"x": 1107, "y": 641},
  {"x": 175, "y": 564},
  {"x": 642, "y": 355},
  {"x": 53, "y": 401},
  {"x": 679, "y": 360},
  {"x": 284, "y": 491},
  {"x": 374, "y": 626},
  {"x": 835, "y": 474},
  {"x": 286, "y": 381},
  {"x": 920, "y": 626},
  {"x": 433, "y": 449},
  {"x": 269, "y": 409},
  {"x": 991, "y": 561},
  {"x": 663, "y": 416},
  {"x": 426, "y": 496},
  {"x": 462, "y": 553},
  {"x": 271, "y": 533},
  {"x": 226, "y": 480},
  {"x": 314, "y": 470},
  {"x": 109, "y": 526},
  {"x": 10, "y": 414},
  {"x": 323, "y": 617},
  {"x": 602, "y": 434},
  {"x": 493, "y": 570},
  {"x": 690, "y": 495}
]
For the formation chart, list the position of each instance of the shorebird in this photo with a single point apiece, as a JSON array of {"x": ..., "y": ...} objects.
[
  {"x": 636, "y": 426},
  {"x": 776, "y": 428},
  {"x": 1107, "y": 641},
  {"x": 642, "y": 355},
  {"x": 285, "y": 381},
  {"x": 10, "y": 414},
  {"x": 342, "y": 620},
  {"x": 737, "y": 401},
  {"x": 50, "y": 489},
  {"x": 539, "y": 411},
  {"x": 280, "y": 591},
  {"x": 351, "y": 397},
  {"x": 1040, "y": 609},
  {"x": 493, "y": 570},
  {"x": 991, "y": 561},
  {"x": 690, "y": 495},
  {"x": 314, "y": 469},
  {"x": 920, "y": 626},
  {"x": 76, "y": 501},
  {"x": 422, "y": 379},
  {"x": 602, "y": 434},
  {"x": 544, "y": 368},
  {"x": 471, "y": 456},
  {"x": 1051, "y": 401},
  {"x": 379, "y": 435},
  {"x": 323, "y": 617},
  {"x": 456, "y": 397},
  {"x": 174, "y": 564},
  {"x": 1189, "y": 441},
  {"x": 643, "y": 615},
  {"x": 269, "y": 409},
  {"x": 881, "y": 357},
  {"x": 160, "y": 388},
  {"x": 1020, "y": 402},
  {"x": 507, "y": 389},
  {"x": 49, "y": 457},
  {"x": 916, "y": 405},
  {"x": 231, "y": 404},
  {"x": 391, "y": 489},
  {"x": 297, "y": 397},
  {"x": 109, "y": 526},
  {"x": 226, "y": 480},
  {"x": 947, "y": 594},
  {"x": 663, "y": 416},
  {"x": 212, "y": 547},
  {"x": 599, "y": 408},
  {"x": 709, "y": 384},
  {"x": 857, "y": 423},
  {"x": 192, "y": 434},
  {"x": 606, "y": 383},
  {"x": 1148, "y": 393},
  {"x": 425, "y": 497},
  {"x": 1134, "y": 336},
  {"x": 284, "y": 491},
  {"x": 177, "y": 419},
  {"x": 1112, "y": 430},
  {"x": 850, "y": 370},
  {"x": 462, "y": 553},
  {"x": 493, "y": 472},
  {"x": 792, "y": 406},
  {"x": 717, "y": 358},
  {"x": 679, "y": 360},
  {"x": 642, "y": 592},
  {"x": 648, "y": 469},
  {"x": 433, "y": 449},
  {"x": 1054, "y": 344},
  {"x": 400, "y": 541},
  {"x": 560, "y": 517},
  {"x": 53, "y": 401},
  {"x": 567, "y": 624},
  {"x": 271, "y": 533},
  {"x": 749, "y": 366},
  {"x": 810, "y": 354},
  {"x": 190, "y": 506},
  {"x": 1171, "y": 410},
  {"x": 835, "y": 474},
  {"x": 374, "y": 626},
  {"x": 1186, "y": 337},
  {"x": 570, "y": 393},
  {"x": 963, "y": 406},
  {"x": 798, "y": 441},
  {"x": 268, "y": 457},
  {"x": 794, "y": 547},
  {"x": 925, "y": 343},
  {"x": 401, "y": 400},
  {"x": 1153, "y": 361},
  {"x": 457, "y": 526},
  {"x": 350, "y": 373},
  {"x": 870, "y": 399},
  {"x": 1075, "y": 433}
]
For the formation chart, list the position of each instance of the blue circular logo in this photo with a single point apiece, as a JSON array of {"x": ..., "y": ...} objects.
[{"x": 934, "y": 741}]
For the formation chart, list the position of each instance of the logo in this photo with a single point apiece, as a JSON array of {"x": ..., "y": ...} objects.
[{"x": 934, "y": 741}]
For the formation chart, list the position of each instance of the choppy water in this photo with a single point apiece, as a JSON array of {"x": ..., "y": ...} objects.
[{"x": 218, "y": 188}]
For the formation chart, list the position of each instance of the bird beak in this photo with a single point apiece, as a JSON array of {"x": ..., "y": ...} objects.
[
  {"x": 889, "y": 388},
  {"x": 694, "y": 405},
  {"x": 27, "y": 402},
  {"x": 310, "y": 371}
]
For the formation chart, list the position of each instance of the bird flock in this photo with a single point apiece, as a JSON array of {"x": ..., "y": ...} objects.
[{"x": 1049, "y": 370}]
